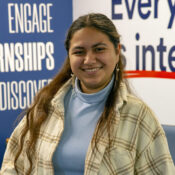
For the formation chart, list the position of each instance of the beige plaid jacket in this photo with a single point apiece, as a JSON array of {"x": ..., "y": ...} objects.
[{"x": 139, "y": 146}]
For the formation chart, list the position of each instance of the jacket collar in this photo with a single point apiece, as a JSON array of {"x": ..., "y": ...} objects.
[
  {"x": 58, "y": 100},
  {"x": 122, "y": 96}
]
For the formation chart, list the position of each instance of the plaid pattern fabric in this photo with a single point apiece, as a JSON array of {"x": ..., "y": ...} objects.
[{"x": 138, "y": 147}]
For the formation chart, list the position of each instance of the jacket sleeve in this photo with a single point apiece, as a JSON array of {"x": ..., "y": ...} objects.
[
  {"x": 11, "y": 150},
  {"x": 154, "y": 157}
]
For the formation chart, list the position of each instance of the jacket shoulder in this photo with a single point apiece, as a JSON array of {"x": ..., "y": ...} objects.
[{"x": 135, "y": 106}]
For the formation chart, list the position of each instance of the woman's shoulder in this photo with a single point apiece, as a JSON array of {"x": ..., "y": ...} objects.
[
  {"x": 136, "y": 108},
  {"x": 134, "y": 101}
]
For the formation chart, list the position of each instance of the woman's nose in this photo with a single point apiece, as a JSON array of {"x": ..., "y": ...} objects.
[{"x": 90, "y": 58}]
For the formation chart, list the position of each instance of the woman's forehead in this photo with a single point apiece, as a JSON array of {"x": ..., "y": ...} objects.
[{"x": 88, "y": 36}]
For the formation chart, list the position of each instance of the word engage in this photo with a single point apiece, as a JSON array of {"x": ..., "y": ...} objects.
[
  {"x": 29, "y": 18},
  {"x": 144, "y": 9}
]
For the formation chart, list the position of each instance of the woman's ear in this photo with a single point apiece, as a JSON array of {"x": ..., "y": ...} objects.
[
  {"x": 118, "y": 48},
  {"x": 118, "y": 52}
]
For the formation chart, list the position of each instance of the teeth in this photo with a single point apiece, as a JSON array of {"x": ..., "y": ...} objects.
[{"x": 92, "y": 70}]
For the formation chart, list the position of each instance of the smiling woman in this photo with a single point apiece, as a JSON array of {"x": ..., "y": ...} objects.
[
  {"x": 93, "y": 59},
  {"x": 86, "y": 120}
]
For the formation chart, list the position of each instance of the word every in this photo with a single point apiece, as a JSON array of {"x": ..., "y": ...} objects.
[
  {"x": 29, "y": 18},
  {"x": 145, "y": 9}
]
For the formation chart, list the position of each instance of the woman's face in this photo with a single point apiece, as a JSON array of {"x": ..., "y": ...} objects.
[{"x": 92, "y": 59}]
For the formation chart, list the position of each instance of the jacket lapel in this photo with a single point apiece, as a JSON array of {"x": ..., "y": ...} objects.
[{"x": 94, "y": 158}]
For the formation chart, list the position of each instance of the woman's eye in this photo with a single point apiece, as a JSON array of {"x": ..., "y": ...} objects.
[
  {"x": 78, "y": 52},
  {"x": 99, "y": 49}
]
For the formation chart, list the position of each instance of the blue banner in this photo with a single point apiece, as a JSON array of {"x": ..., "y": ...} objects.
[{"x": 32, "y": 50}]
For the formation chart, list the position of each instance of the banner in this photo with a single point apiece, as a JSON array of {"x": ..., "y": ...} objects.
[
  {"x": 147, "y": 29},
  {"x": 32, "y": 50}
]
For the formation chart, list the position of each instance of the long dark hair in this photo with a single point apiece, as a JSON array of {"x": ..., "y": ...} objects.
[{"x": 38, "y": 112}]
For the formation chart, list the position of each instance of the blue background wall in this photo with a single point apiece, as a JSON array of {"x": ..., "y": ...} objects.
[{"x": 12, "y": 79}]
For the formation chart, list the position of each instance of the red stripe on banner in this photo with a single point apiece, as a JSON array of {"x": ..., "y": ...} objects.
[{"x": 149, "y": 74}]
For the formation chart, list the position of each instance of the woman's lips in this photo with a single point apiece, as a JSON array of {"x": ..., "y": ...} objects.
[{"x": 92, "y": 69}]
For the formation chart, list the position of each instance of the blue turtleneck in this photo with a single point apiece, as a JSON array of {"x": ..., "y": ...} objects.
[{"x": 82, "y": 112}]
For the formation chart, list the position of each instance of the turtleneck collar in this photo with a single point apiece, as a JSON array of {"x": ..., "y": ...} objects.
[{"x": 94, "y": 97}]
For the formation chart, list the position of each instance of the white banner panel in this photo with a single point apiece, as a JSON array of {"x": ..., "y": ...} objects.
[{"x": 147, "y": 29}]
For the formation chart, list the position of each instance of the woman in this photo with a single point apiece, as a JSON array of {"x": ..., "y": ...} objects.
[{"x": 86, "y": 121}]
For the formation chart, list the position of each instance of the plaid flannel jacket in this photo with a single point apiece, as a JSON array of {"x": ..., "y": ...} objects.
[{"x": 139, "y": 145}]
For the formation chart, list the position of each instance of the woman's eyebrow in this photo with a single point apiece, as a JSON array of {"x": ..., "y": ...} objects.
[
  {"x": 94, "y": 45},
  {"x": 77, "y": 48},
  {"x": 99, "y": 44}
]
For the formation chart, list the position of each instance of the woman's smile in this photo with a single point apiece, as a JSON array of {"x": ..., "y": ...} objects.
[{"x": 92, "y": 70}]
